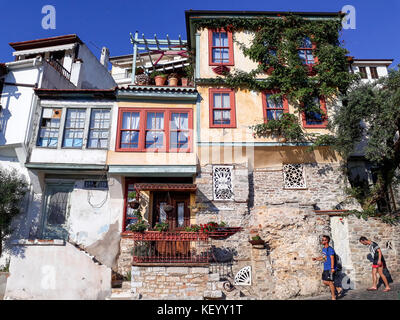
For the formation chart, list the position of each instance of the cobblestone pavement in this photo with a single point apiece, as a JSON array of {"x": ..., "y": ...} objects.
[{"x": 363, "y": 294}]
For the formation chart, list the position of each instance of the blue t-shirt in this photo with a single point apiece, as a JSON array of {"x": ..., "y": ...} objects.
[{"x": 328, "y": 252}]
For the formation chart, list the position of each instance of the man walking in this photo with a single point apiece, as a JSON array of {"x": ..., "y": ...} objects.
[
  {"x": 329, "y": 273},
  {"x": 377, "y": 265}
]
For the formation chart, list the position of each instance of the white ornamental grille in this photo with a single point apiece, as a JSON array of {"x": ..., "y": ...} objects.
[
  {"x": 293, "y": 176},
  {"x": 222, "y": 183}
]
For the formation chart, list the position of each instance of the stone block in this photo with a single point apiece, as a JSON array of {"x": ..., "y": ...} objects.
[{"x": 215, "y": 294}]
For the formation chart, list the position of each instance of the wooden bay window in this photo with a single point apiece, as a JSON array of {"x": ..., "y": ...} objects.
[{"x": 154, "y": 130}]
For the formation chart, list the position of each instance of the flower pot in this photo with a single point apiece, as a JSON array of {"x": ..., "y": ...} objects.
[
  {"x": 185, "y": 82},
  {"x": 160, "y": 80},
  {"x": 168, "y": 208},
  {"x": 134, "y": 204},
  {"x": 142, "y": 79},
  {"x": 173, "y": 82}
]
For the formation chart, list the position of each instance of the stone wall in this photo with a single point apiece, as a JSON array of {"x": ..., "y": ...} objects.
[
  {"x": 124, "y": 262},
  {"x": 175, "y": 283},
  {"x": 388, "y": 238}
]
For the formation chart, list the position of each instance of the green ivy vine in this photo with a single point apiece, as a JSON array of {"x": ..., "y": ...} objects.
[{"x": 275, "y": 49}]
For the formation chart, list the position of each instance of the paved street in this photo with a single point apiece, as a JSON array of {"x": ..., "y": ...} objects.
[{"x": 363, "y": 294}]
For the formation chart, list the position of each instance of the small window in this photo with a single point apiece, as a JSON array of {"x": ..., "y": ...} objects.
[
  {"x": 155, "y": 130},
  {"x": 312, "y": 119},
  {"x": 222, "y": 182},
  {"x": 220, "y": 47},
  {"x": 74, "y": 128},
  {"x": 99, "y": 129},
  {"x": 49, "y": 128},
  {"x": 374, "y": 73},
  {"x": 130, "y": 130},
  {"x": 363, "y": 72},
  {"x": 179, "y": 131},
  {"x": 293, "y": 176},
  {"x": 222, "y": 108},
  {"x": 274, "y": 107},
  {"x": 306, "y": 52}
]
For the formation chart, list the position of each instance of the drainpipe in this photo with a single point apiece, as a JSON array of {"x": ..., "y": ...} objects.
[{"x": 197, "y": 76}]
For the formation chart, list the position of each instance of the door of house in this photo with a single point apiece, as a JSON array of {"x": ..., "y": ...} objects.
[
  {"x": 179, "y": 217},
  {"x": 56, "y": 210}
]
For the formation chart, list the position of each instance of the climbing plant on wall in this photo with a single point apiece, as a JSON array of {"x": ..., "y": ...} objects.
[{"x": 275, "y": 47}]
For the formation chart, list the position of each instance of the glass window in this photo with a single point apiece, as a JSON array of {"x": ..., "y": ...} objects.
[
  {"x": 179, "y": 131},
  {"x": 99, "y": 128},
  {"x": 220, "y": 47},
  {"x": 305, "y": 51},
  {"x": 130, "y": 130},
  {"x": 74, "y": 128},
  {"x": 181, "y": 214},
  {"x": 363, "y": 72},
  {"x": 274, "y": 107},
  {"x": 313, "y": 117},
  {"x": 374, "y": 73},
  {"x": 49, "y": 128},
  {"x": 155, "y": 130},
  {"x": 221, "y": 108}
]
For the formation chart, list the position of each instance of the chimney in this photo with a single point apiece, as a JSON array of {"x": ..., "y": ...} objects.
[{"x": 105, "y": 57}]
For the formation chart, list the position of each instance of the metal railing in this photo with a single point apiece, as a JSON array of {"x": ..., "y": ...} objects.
[
  {"x": 169, "y": 248},
  {"x": 56, "y": 65}
]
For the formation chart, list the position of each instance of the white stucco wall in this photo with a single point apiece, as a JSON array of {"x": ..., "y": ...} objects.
[
  {"x": 93, "y": 74},
  {"x": 17, "y": 102},
  {"x": 47, "y": 272},
  {"x": 69, "y": 156}
]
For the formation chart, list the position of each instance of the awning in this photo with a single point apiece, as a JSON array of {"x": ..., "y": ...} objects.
[
  {"x": 47, "y": 49},
  {"x": 183, "y": 187},
  {"x": 153, "y": 170}
]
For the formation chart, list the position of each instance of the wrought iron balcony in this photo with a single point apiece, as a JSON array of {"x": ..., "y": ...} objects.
[{"x": 56, "y": 65}]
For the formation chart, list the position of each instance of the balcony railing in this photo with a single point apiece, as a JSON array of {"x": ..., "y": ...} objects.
[
  {"x": 56, "y": 65},
  {"x": 169, "y": 248},
  {"x": 180, "y": 247}
]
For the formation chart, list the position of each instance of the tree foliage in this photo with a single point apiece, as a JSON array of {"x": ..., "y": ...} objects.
[
  {"x": 275, "y": 49},
  {"x": 13, "y": 188},
  {"x": 370, "y": 113}
]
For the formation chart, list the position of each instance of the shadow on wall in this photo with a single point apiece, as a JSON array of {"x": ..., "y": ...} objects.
[
  {"x": 302, "y": 155},
  {"x": 5, "y": 114}
]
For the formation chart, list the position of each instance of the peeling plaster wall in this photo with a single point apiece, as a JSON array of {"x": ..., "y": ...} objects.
[{"x": 47, "y": 272}]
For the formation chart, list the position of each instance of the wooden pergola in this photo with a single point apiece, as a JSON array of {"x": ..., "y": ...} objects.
[{"x": 164, "y": 47}]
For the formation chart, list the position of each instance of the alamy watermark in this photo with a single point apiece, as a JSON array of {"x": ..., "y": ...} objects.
[
  {"x": 349, "y": 20},
  {"x": 49, "y": 20}
]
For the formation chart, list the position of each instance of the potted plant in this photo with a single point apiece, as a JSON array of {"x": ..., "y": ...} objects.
[
  {"x": 257, "y": 241},
  {"x": 161, "y": 227},
  {"x": 173, "y": 79},
  {"x": 139, "y": 226},
  {"x": 168, "y": 208},
  {"x": 159, "y": 77},
  {"x": 132, "y": 200},
  {"x": 141, "y": 77},
  {"x": 187, "y": 74}
]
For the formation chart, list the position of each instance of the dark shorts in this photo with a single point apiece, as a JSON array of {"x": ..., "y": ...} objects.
[{"x": 328, "y": 276}]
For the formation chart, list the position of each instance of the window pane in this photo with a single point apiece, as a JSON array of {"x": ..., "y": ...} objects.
[
  {"x": 226, "y": 100},
  {"x": 129, "y": 139},
  {"x": 179, "y": 140},
  {"x": 130, "y": 120},
  {"x": 181, "y": 214},
  {"x": 306, "y": 43},
  {"x": 179, "y": 121},
  {"x": 274, "y": 103},
  {"x": 216, "y": 40},
  {"x": 225, "y": 55},
  {"x": 216, "y": 55},
  {"x": 155, "y": 120},
  {"x": 217, "y": 101},
  {"x": 154, "y": 139},
  {"x": 99, "y": 125}
]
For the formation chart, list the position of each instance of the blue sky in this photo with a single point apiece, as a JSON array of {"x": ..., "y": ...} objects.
[{"x": 108, "y": 23}]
